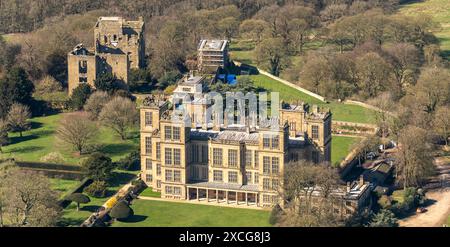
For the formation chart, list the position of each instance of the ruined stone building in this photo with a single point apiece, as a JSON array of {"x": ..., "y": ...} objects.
[{"x": 119, "y": 46}]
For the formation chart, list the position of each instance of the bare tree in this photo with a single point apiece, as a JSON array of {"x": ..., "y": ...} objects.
[
  {"x": 253, "y": 29},
  {"x": 272, "y": 55},
  {"x": 307, "y": 195},
  {"x": 383, "y": 117},
  {"x": 119, "y": 114},
  {"x": 441, "y": 122},
  {"x": 404, "y": 59},
  {"x": 414, "y": 161},
  {"x": 18, "y": 117},
  {"x": 77, "y": 130},
  {"x": 373, "y": 74},
  {"x": 95, "y": 103},
  {"x": 28, "y": 199}
]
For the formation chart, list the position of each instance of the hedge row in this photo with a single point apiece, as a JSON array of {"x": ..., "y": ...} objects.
[
  {"x": 50, "y": 166},
  {"x": 78, "y": 189}
]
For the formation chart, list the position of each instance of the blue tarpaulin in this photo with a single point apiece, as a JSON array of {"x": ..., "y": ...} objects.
[{"x": 231, "y": 78}]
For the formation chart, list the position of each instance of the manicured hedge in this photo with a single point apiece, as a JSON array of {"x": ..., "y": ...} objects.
[
  {"x": 49, "y": 166},
  {"x": 79, "y": 189}
]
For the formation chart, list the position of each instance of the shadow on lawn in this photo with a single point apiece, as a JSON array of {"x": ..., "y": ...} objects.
[
  {"x": 18, "y": 139},
  {"x": 134, "y": 219},
  {"x": 120, "y": 178},
  {"x": 35, "y": 125},
  {"x": 90, "y": 208},
  {"x": 65, "y": 222},
  {"x": 118, "y": 148}
]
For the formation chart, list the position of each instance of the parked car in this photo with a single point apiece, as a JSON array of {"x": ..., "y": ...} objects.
[
  {"x": 421, "y": 210},
  {"x": 371, "y": 155}
]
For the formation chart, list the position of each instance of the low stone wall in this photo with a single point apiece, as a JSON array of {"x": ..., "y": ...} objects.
[
  {"x": 53, "y": 170},
  {"x": 365, "y": 105},
  {"x": 263, "y": 72}
]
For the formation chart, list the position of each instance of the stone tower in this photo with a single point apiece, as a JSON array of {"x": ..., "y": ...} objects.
[{"x": 119, "y": 46}]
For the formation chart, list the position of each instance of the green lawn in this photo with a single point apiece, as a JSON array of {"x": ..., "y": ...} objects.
[
  {"x": 341, "y": 112},
  {"x": 72, "y": 217},
  {"x": 63, "y": 185},
  {"x": 340, "y": 147},
  {"x": 150, "y": 193},
  {"x": 40, "y": 141},
  {"x": 440, "y": 12},
  {"x": 159, "y": 213}
]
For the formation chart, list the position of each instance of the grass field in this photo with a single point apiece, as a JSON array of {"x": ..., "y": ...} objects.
[
  {"x": 72, "y": 217},
  {"x": 150, "y": 193},
  {"x": 40, "y": 141},
  {"x": 440, "y": 12},
  {"x": 341, "y": 112},
  {"x": 340, "y": 147},
  {"x": 159, "y": 213},
  {"x": 62, "y": 185}
]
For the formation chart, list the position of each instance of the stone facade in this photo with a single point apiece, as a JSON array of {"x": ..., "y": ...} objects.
[
  {"x": 226, "y": 163},
  {"x": 119, "y": 46},
  {"x": 212, "y": 54}
]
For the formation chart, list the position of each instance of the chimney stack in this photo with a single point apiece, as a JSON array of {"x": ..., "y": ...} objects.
[
  {"x": 361, "y": 180},
  {"x": 348, "y": 187}
]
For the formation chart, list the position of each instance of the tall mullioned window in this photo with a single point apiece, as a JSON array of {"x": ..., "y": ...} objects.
[
  {"x": 169, "y": 189},
  {"x": 266, "y": 165},
  {"x": 248, "y": 176},
  {"x": 217, "y": 176},
  {"x": 176, "y": 190},
  {"x": 275, "y": 184},
  {"x": 176, "y": 133},
  {"x": 148, "y": 164},
  {"x": 275, "y": 165},
  {"x": 148, "y": 178},
  {"x": 256, "y": 178},
  {"x": 177, "y": 176},
  {"x": 217, "y": 156},
  {"x": 158, "y": 169},
  {"x": 169, "y": 175},
  {"x": 148, "y": 118},
  {"x": 176, "y": 156},
  {"x": 148, "y": 145},
  {"x": 232, "y": 177},
  {"x": 266, "y": 141},
  {"x": 266, "y": 184},
  {"x": 275, "y": 142},
  {"x": 168, "y": 132},
  {"x": 158, "y": 150},
  {"x": 232, "y": 158},
  {"x": 248, "y": 158},
  {"x": 168, "y": 156},
  {"x": 315, "y": 132},
  {"x": 256, "y": 159}
]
